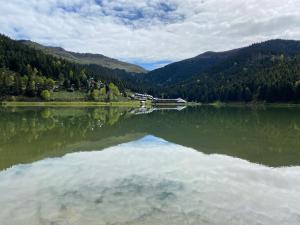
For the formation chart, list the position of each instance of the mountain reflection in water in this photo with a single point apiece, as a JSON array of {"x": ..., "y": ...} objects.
[
  {"x": 268, "y": 136},
  {"x": 149, "y": 181}
]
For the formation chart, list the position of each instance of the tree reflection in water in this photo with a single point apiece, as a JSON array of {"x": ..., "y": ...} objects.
[{"x": 268, "y": 136}]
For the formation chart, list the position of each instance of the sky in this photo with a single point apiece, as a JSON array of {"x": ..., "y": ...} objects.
[{"x": 150, "y": 33}]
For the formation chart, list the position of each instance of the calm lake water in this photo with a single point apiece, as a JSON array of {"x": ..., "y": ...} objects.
[{"x": 202, "y": 165}]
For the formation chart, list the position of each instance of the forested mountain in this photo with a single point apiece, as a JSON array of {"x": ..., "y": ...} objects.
[
  {"x": 185, "y": 69},
  {"x": 27, "y": 71},
  {"x": 268, "y": 71},
  {"x": 86, "y": 58}
]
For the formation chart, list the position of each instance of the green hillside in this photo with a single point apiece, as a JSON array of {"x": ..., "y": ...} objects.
[
  {"x": 268, "y": 71},
  {"x": 25, "y": 71},
  {"x": 86, "y": 58}
]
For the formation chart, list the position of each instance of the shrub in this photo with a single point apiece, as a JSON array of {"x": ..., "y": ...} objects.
[
  {"x": 12, "y": 98},
  {"x": 45, "y": 95},
  {"x": 98, "y": 95},
  {"x": 95, "y": 95}
]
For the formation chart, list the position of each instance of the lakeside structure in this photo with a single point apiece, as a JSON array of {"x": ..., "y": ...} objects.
[
  {"x": 142, "y": 97},
  {"x": 144, "y": 110},
  {"x": 161, "y": 101},
  {"x": 157, "y": 101}
]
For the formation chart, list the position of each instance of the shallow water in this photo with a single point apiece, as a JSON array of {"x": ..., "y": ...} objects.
[{"x": 109, "y": 166}]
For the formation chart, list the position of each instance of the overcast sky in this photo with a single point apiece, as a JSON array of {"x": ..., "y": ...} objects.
[{"x": 150, "y": 33}]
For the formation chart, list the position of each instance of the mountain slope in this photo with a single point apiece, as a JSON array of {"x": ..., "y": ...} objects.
[
  {"x": 25, "y": 71},
  {"x": 268, "y": 71},
  {"x": 184, "y": 70},
  {"x": 86, "y": 58}
]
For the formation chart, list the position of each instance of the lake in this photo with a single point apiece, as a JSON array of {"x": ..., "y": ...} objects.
[{"x": 195, "y": 165}]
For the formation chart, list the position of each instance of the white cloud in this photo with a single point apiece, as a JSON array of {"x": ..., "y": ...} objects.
[{"x": 150, "y": 30}]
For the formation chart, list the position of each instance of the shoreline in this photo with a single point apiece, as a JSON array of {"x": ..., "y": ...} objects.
[
  {"x": 252, "y": 104},
  {"x": 133, "y": 104},
  {"x": 137, "y": 104}
]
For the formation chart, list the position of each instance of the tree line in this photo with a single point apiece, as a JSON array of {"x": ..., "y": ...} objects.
[
  {"x": 27, "y": 71},
  {"x": 268, "y": 71},
  {"x": 271, "y": 80}
]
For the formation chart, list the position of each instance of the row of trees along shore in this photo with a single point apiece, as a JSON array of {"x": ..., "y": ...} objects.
[{"x": 36, "y": 85}]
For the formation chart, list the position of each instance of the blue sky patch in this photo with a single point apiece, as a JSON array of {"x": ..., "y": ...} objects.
[{"x": 152, "y": 65}]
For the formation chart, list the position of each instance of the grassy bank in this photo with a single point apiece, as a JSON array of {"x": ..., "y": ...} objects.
[
  {"x": 134, "y": 104},
  {"x": 76, "y": 96}
]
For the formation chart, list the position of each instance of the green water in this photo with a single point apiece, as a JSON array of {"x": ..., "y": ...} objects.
[
  {"x": 99, "y": 166},
  {"x": 268, "y": 136}
]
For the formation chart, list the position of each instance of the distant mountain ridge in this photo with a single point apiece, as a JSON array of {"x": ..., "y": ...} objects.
[
  {"x": 267, "y": 71},
  {"x": 85, "y": 58},
  {"x": 186, "y": 69}
]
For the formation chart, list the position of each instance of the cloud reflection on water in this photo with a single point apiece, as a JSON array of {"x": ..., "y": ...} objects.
[{"x": 149, "y": 181}]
